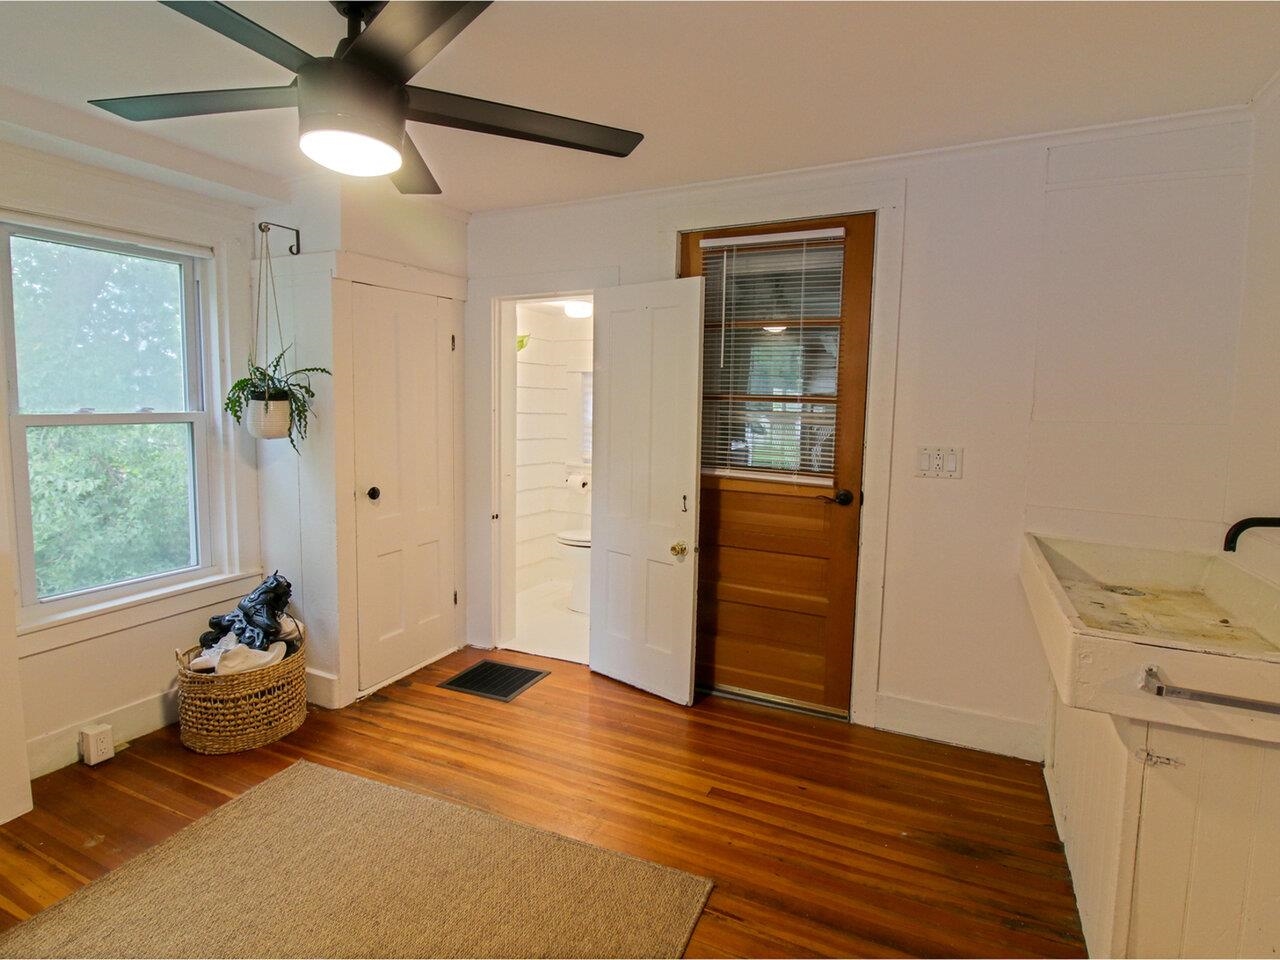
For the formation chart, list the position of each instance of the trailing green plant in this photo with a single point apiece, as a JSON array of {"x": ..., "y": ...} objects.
[{"x": 273, "y": 383}]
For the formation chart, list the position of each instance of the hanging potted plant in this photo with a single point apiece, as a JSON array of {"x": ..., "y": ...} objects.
[{"x": 273, "y": 401}]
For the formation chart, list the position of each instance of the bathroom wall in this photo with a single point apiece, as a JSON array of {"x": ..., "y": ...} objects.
[
  {"x": 548, "y": 439},
  {"x": 1069, "y": 314}
]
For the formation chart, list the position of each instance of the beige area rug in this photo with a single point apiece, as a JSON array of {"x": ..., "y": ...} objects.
[{"x": 319, "y": 863}]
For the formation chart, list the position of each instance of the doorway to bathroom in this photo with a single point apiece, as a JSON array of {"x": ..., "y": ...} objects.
[{"x": 546, "y": 400}]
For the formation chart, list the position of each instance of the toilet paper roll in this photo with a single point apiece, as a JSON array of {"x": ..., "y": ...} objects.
[{"x": 576, "y": 481}]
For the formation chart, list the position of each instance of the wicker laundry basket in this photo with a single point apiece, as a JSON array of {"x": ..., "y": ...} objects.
[{"x": 240, "y": 711}]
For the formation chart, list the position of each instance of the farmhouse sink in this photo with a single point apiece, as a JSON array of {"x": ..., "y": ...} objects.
[{"x": 1175, "y": 637}]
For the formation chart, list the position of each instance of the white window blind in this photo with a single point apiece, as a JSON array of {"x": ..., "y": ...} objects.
[{"x": 771, "y": 352}]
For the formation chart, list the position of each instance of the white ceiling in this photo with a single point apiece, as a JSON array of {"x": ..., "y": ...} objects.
[{"x": 719, "y": 89}]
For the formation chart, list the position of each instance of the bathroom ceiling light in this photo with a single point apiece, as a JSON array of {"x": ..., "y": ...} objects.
[
  {"x": 775, "y": 329},
  {"x": 577, "y": 309}
]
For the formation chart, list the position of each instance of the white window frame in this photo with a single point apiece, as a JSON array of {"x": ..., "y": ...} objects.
[{"x": 197, "y": 415}]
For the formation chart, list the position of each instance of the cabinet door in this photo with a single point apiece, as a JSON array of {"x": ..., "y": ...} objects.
[
  {"x": 404, "y": 392},
  {"x": 1207, "y": 882}
]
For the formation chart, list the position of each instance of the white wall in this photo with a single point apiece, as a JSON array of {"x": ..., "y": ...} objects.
[
  {"x": 118, "y": 666},
  {"x": 1069, "y": 314},
  {"x": 15, "y": 772},
  {"x": 353, "y": 231},
  {"x": 548, "y": 440},
  {"x": 1253, "y": 487}
]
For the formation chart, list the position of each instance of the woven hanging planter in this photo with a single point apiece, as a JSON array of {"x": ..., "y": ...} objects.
[{"x": 240, "y": 711}]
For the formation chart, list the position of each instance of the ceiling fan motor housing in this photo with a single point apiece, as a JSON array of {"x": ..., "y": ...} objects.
[{"x": 339, "y": 95}]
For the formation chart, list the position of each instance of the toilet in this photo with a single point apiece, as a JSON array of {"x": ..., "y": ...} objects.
[{"x": 575, "y": 550}]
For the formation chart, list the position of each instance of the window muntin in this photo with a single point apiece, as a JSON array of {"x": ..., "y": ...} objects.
[
  {"x": 771, "y": 355},
  {"x": 107, "y": 427}
]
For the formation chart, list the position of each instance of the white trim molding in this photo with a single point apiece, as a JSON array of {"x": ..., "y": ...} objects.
[{"x": 968, "y": 728}]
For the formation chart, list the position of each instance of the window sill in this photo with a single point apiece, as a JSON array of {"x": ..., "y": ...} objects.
[{"x": 40, "y": 632}]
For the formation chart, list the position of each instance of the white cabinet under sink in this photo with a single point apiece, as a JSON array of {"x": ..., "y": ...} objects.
[{"x": 1169, "y": 808}]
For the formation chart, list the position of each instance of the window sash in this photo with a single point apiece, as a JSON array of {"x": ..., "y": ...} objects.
[{"x": 195, "y": 415}]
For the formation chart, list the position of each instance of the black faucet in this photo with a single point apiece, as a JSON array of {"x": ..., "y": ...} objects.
[{"x": 1240, "y": 526}]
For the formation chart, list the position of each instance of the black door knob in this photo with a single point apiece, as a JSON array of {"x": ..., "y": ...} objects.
[
  {"x": 373, "y": 493},
  {"x": 842, "y": 498}
]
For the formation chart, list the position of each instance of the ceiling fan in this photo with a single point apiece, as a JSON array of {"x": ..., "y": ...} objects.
[{"x": 352, "y": 107}]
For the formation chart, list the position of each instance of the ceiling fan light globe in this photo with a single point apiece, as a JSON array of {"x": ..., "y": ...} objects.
[{"x": 350, "y": 153}]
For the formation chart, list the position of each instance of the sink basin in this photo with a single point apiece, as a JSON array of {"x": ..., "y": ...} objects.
[{"x": 1189, "y": 639}]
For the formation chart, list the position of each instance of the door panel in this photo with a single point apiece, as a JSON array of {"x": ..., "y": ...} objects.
[
  {"x": 647, "y": 382},
  {"x": 404, "y": 448},
  {"x": 778, "y": 562}
]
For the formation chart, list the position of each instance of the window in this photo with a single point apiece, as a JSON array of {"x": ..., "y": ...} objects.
[
  {"x": 771, "y": 349},
  {"x": 106, "y": 412}
]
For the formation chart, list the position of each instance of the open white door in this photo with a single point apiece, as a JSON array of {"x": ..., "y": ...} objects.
[
  {"x": 644, "y": 514},
  {"x": 404, "y": 475}
]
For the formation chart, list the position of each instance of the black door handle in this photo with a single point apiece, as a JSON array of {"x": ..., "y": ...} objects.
[
  {"x": 373, "y": 493},
  {"x": 842, "y": 498}
]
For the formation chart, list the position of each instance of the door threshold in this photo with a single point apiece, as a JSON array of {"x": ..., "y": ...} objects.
[{"x": 780, "y": 703}]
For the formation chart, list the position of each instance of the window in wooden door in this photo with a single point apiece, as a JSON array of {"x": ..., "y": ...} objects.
[{"x": 771, "y": 349}]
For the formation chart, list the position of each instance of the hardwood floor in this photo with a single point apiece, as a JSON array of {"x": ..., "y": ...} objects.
[{"x": 823, "y": 839}]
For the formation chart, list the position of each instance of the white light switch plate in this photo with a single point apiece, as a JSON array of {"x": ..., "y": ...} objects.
[{"x": 944, "y": 462}]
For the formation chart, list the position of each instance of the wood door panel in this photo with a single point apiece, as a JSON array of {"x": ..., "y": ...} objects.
[
  {"x": 782, "y": 599},
  {"x": 801, "y": 576},
  {"x": 778, "y": 563},
  {"x": 767, "y": 521},
  {"x": 779, "y": 629}
]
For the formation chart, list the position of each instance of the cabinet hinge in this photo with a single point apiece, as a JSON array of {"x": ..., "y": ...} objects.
[
  {"x": 1155, "y": 760},
  {"x": 455, "y": 598},
  {"x": 453, "y": 341}
]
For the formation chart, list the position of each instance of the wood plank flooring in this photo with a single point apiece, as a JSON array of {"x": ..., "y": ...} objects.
[{"x": 823, "y": 839}]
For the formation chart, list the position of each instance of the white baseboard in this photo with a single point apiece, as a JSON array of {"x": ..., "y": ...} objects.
[
  {"x": 414, "y": 669},
  {"x": 51, "y": 751},
  {"x": 966, "y": 728},
  {"x": 323, "y": 690}
]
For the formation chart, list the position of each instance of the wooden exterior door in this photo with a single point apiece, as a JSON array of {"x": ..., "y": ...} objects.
[{"x": 778, "y": 536}]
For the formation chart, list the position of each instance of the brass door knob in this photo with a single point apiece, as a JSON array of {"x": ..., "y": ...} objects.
[{"x": 679, "y": 549}]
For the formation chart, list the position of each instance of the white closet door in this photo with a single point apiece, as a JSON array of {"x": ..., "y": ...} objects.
[
  {"x": 644, "y": 523},
  {"x": 405, "y": 478}
]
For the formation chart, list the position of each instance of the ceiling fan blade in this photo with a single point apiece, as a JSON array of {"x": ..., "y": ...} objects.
[
  {"x": 196, "y": 103},
  {"x": 407, "y": 35},
  {"x": 503, "y": 120},
  {"x": 413, "y": 175},
  {"x": 220, "y": 17}
]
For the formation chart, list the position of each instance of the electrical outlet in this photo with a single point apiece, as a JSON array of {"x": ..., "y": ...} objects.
[
  {"x": 96, "y": 743},
  {"x": 943, "y": 462}
]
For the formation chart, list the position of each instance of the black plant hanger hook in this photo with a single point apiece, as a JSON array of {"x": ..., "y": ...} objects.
[{"x": 296, "y": 247}]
